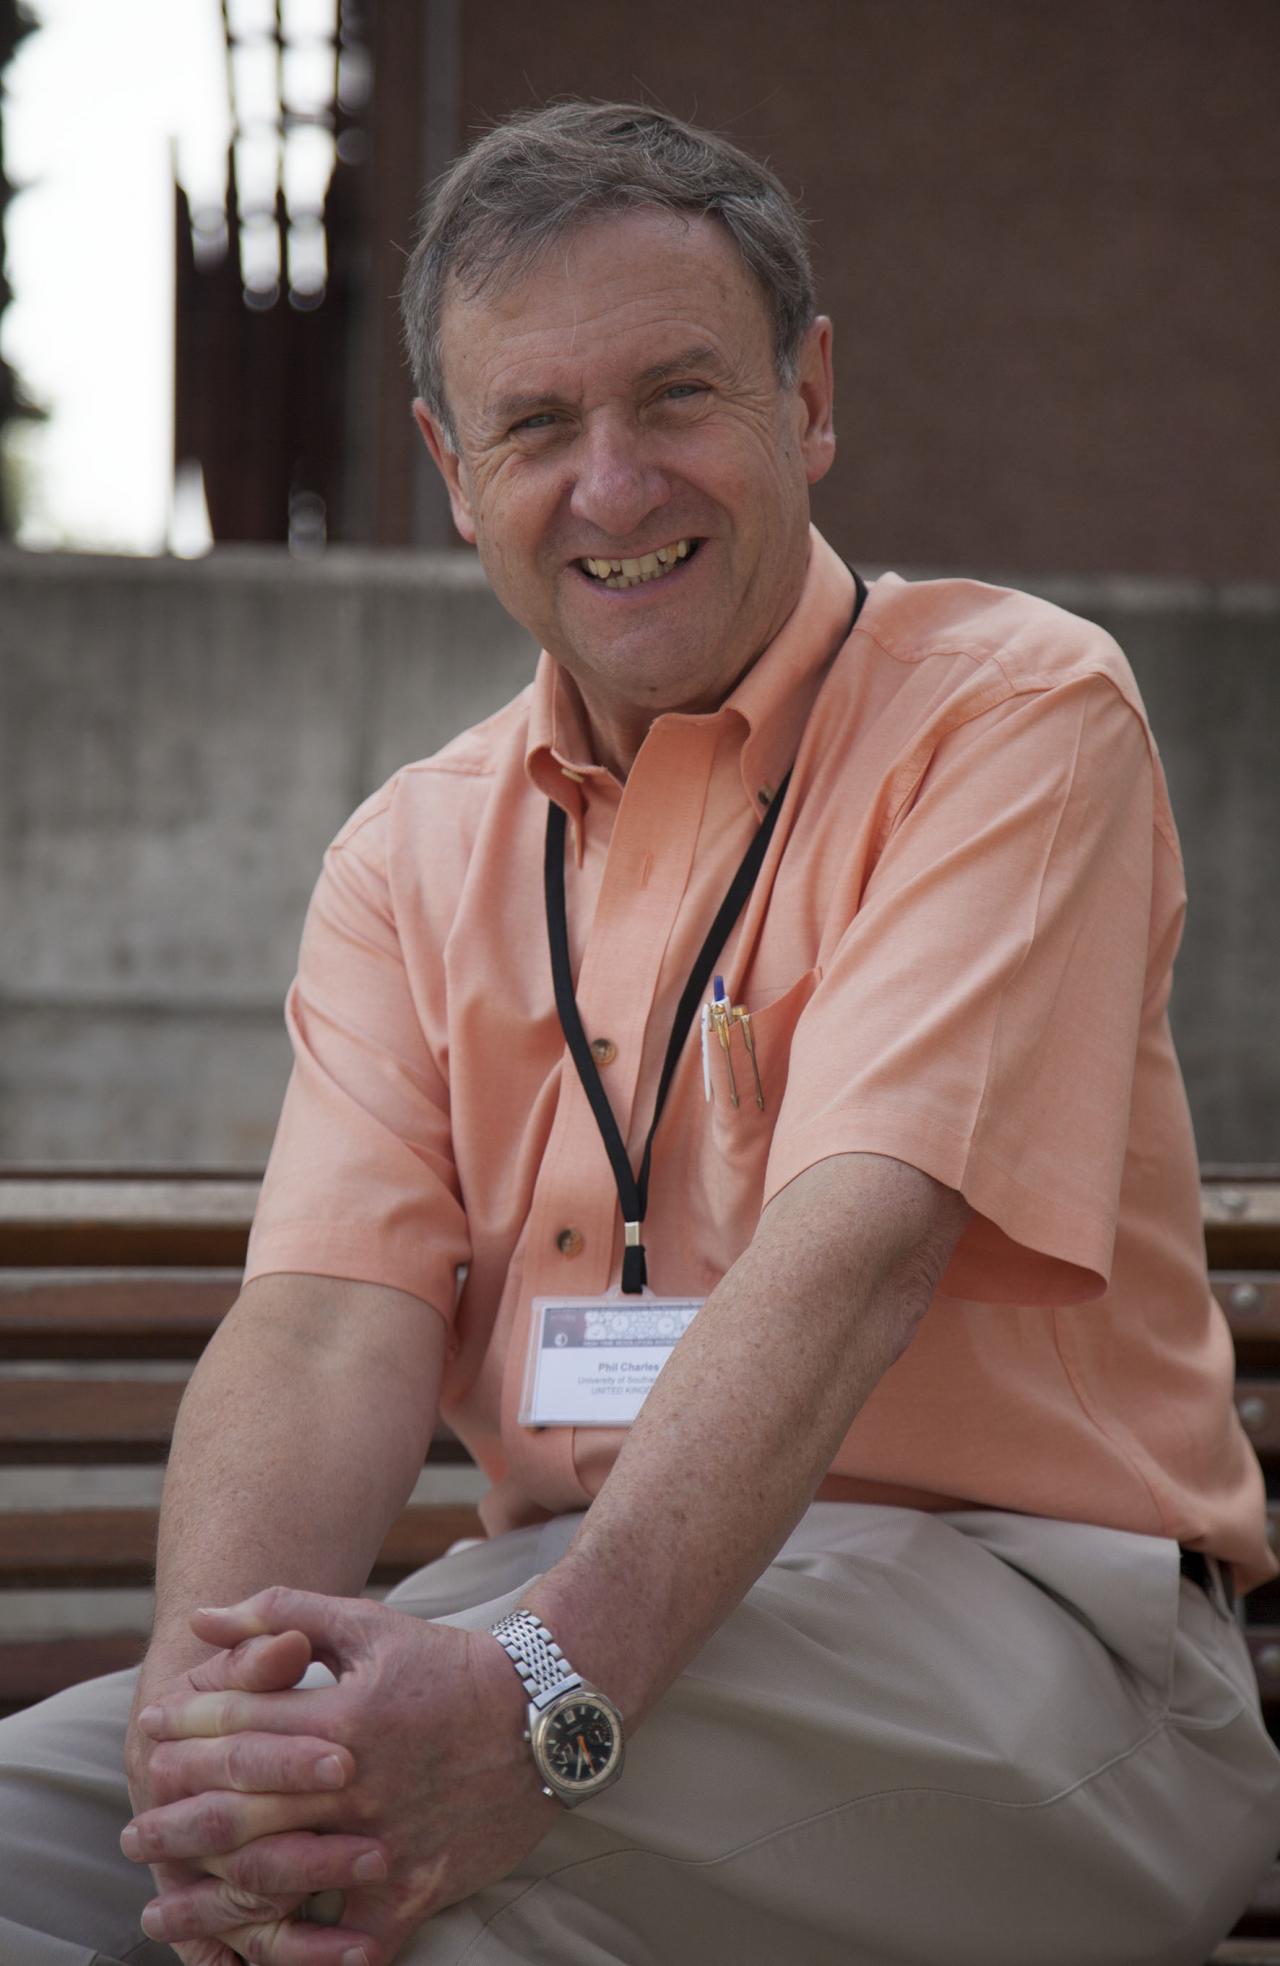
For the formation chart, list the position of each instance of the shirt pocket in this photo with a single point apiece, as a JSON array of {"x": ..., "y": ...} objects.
[{"x": 736, "y": 1138}]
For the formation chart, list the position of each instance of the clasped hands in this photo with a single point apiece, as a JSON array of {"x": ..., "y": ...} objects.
[{"x": 405, "y": 1786}]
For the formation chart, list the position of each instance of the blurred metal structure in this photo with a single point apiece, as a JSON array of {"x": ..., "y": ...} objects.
[
  {"x": 291, "y": 393},
  {"x": 15, "y": 405},
  {"x": 268, "y": 286}
]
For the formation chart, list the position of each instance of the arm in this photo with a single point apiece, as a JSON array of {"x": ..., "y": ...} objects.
[
  {"x": 743, "y": 1422},
  {"x": 276, "y": 1474}
]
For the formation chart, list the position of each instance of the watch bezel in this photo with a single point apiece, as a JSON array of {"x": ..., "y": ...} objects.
[{"x": 540, "y": 1726}]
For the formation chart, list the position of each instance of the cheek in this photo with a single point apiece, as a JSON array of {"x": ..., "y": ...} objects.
[
  {"x": 517, "y": 521},
  {"x": 752, "y": 475},
  {"x": 513, "y": 547}
]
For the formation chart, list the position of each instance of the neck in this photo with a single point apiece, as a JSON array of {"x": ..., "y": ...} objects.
[{"x": 615, "y": 740}]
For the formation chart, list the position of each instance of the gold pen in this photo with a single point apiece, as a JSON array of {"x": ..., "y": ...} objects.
[
  {"x": 724, "y": 1031},
  {"x": 721, "y": 1018},
  {"x": 742, "y": 1018}
]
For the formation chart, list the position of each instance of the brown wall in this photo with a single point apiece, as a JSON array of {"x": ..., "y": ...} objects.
[{"x": 1048, "y": 231}]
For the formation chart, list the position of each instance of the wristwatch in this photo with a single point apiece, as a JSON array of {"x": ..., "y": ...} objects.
[{"x": 574, "y": 1730}]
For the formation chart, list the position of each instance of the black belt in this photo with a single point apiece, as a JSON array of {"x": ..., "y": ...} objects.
[{"x": 1202, "y": 1569}]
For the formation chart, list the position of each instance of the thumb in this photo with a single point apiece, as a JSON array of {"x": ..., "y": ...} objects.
[
  {"x": 268, "y": 1663},
  {"x": 333, "y": 1626}
]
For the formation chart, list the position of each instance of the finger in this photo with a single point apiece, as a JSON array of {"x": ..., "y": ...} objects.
[
  {"x": 266, "y": 1664},
  {"x": 211, "y": 1909},
  {"x": 208, "y": 1952},
  {"x": 294, "y": 1944},
  {"x": 256, "y": 1930},
  {"x": 301, "y": 1864},
  {"x": 212, "y": 1825},
  {"x": 291, "y": 1942},
  {"x": 199, "y": 1952},
  {"x": 195, "y": 1716},
  {"x": 326, "y": 1621},
  {"x": 280, "y": 1764}
]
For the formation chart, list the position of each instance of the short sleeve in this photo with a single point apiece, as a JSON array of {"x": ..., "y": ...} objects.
[
  {"x": 979, "y": 1018},
  {"x": 361, "y": 1182}
]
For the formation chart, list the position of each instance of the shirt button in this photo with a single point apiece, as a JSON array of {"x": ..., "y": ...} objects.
[
  {"x": 570, "y": 1242},
  {"x": 603, "y": 1050}
]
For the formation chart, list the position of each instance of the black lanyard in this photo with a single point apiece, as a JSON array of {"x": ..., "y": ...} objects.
[{"x": 633, "y": 1190}]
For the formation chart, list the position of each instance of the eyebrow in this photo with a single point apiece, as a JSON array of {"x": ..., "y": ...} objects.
[
  {"x": 702, "y": 359},
  {"x": 705, "y": 359}
]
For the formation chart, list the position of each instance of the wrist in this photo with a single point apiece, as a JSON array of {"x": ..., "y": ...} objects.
[
  {"x": 595, "y": 1631},
  {"x": 170, "y": 1654},
  {"x": 573, "y": 1730}
]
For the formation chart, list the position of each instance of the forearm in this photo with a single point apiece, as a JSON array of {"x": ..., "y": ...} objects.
[
  {"x": 301, "y": 1434},
  {"x": 740, "y": 1428}
]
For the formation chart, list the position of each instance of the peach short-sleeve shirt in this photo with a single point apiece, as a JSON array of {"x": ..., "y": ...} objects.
[{"x": 957, "y": 952}]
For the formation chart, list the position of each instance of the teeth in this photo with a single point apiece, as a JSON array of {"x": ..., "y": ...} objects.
[{"x": 632, "y": 573}]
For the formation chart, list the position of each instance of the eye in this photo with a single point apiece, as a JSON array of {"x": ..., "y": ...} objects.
[
  {"x": 540, "y": 420},
  {"x": 680, "y": 391}
]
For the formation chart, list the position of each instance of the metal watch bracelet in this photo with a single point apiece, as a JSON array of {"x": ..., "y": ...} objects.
[{"x": 544, "y": 1671}]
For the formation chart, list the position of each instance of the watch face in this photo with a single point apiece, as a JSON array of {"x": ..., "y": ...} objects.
[{"x": 578, "y": 1744}]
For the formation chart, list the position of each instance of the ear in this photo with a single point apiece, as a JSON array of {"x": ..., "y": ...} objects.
[
  {"x": 815, "y": 389},
  {"x": 449, "y": 465}
]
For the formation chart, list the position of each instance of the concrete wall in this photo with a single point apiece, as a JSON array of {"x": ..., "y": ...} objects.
[{"x": 178, "y": 742}]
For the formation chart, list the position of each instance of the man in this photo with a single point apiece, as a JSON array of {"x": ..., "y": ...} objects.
[{"x": 882, "y": 1583}]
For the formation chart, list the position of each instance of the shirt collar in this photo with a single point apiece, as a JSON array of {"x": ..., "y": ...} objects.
[
  {"x": 558, "y": 757},
  {"x": 773, "y": 700}
]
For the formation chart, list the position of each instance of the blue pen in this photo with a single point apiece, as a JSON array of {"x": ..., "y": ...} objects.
[{"x": 720, "y": 1018}]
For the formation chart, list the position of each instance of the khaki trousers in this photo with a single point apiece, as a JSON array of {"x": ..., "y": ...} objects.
[{"x": 965, "y": 1740}]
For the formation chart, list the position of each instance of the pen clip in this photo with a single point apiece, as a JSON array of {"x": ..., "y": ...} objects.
[{"x": 742, "y": 1018}]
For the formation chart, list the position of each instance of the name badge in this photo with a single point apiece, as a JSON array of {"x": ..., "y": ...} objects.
[{"x": 592, "y": 1360}]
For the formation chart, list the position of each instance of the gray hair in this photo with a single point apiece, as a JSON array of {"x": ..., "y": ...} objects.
[{"x": 538, "y": 174}]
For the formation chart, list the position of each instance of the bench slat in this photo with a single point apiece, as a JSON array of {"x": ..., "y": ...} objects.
[
  {"x": 56, "y": 1420},
  {"x": 81, "y": 1548},
  {"x": 64, "y": 1220},
  {"x": 166, "y": 1218},
  {"x": 172, "y": 1312},
  {"x": 96, "y": 1313}
]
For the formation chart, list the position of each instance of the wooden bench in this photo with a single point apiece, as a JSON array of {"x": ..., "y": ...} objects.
[
  {"x": 111, "y": 1284},
  {"x": 110, "y": 1287}
]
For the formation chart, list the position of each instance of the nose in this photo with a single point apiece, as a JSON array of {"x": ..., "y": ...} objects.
[{"x": 617, "y": 482}]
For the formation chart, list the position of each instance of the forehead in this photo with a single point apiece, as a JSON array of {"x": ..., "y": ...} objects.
[{"x": 617, "y": 294}]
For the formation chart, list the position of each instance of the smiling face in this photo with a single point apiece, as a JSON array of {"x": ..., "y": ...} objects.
[{"x": 633, "y": 476}]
